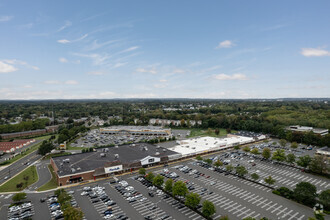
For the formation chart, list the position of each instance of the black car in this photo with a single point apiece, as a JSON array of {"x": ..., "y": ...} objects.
[
  {"x": 147, "y": 217},
  {"x": 181, "y": 206},
  {"x": 151, "y": 194}
]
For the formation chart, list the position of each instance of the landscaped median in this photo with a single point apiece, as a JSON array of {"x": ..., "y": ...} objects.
[
  {"x": 26, "y": 178},
  {"x": 52, "y": 183}
]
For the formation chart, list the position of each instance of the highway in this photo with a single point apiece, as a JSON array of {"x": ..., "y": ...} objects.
[{"x": 18, "y": 166}]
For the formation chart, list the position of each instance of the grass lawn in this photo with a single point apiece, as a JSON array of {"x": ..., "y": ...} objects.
[
  {"x": 52, "y": 184},
  {"x": 27, "y": 177},
  {"x": 205, "y": 132}
]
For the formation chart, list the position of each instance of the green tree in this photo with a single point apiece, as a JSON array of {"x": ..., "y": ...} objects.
[
  {"x": 179, "y": 189},
  {"x": 279, "y": 155},
  {"x": 249, "y": 218},
  {"x": 208, "y": 161},
  {"x": 236, "y": 147},
  {"x": 255, "y": 151},
  {"x": 266, "y": 153},
  {"x": 269, "y": 180},
  {"x": 305, "y": 193},
  {"x": 324, "y": 198},
  {"x": 45, "y": 148},
  {"x": 319, "y": 164},
  {"x": 229, "y": 168},
  {"x": 169, "y": 185},
  {"x": 254, "y": 176},
  {"x": 246, "y": 149},
  {"x": 208, "y": 209},
  {"x": 192, "y": 200},
  {"x": 294, "y": 145},
  {"x": 150, "y": 176},
  {"x": 19, "y": 196},
  {"x": 158, "y": 180},
  {"x": 73, "y": 213},
  {"x": 304, "y": 161},
  {"x": 142, "y": 171},
  {"x": 241, "y": 171},
  {"x": 290, "y": 158},
  {"x": 199, "y": 157},
  {"x": 218, "y": 163},
  {"x": 283, "y": 142}
]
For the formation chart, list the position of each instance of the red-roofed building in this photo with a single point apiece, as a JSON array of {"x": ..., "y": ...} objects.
[{"x": 9, "y": 147}]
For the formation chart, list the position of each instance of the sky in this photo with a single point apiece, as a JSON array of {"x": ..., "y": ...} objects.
[{"x": 218, "y": 49}]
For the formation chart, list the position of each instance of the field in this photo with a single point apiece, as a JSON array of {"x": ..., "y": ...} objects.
[
  {"x": 195, "y": 132},
  {"x": 25, "y": 179}
]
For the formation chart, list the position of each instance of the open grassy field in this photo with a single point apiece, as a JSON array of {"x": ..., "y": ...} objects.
[
  {"x": 195, "y": 132},
  {"x": 25, "y": 179},
  {"x": 52, "y": 184}
]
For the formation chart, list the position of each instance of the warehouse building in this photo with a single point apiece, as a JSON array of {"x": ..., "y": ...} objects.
[
  {"x": 202, "y": 145},
  {"x": 137, "y": 130},
  {"x": 298, "y": 128},
  {"x": 105, "y": 162}
]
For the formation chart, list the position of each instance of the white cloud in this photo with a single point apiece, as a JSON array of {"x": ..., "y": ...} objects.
[
  {"x": 178, "y": 71},
  {"x": 57, "y": 82},
  {"x": 130, "y": 49},
  {"x": 63, "y": 41},
  {"x": 71, "y": 82},
  {"x": 63, "y": 60},
  {"x": 236, "y": 76},
  {"x": 97, "y": 73},
  {"x": 314, "y": 52},
  {"x": 20, "y": 62},
  {"x": 119, "y": 65},
  {"x": 52, "y": 82},
  {"x": 163, "y": 80},
  {"x": 143, "y": 70},
  {"x": 6, "y": 18},
  {"x": 66, "y": 25},
  {"x": 27, "y": 86},
  {"x": 6, "y": 68},
  {"x": 98, "y": 59},
  {"x": 225, "y": 44}
]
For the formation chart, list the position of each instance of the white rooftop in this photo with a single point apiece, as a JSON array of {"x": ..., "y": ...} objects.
[{"x": 205, "y": 144}]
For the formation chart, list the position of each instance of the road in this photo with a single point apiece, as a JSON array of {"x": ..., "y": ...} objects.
[
  {"x": 7, "y": 156},
  {"x": 18, "y": 166}
]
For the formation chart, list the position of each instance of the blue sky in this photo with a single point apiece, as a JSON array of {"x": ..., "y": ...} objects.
[{"x": 164, "y": 49}]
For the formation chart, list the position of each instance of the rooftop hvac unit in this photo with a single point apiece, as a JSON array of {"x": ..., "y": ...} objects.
[
  {"x": 157, "y": 153},
  {"x": 73, "y": 170},
  {"x": 78, "y": 168},
  {"x": 117, "y": 156}
]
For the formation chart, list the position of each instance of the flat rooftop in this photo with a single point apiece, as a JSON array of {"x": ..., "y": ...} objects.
[
  {"x": 203, "y": 144},
  {"x": 90, "y": 161}
]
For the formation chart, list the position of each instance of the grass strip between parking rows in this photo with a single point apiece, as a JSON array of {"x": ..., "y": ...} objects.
[
  {"x": 25, "y": 179},
  {"x": 52, "y": 183}
]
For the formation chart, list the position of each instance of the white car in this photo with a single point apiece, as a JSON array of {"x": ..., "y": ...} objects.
[
  {"x": 108, "y": 216},
  {"x": 84, "y": 193},
  {"x": 143, "y": 199}
]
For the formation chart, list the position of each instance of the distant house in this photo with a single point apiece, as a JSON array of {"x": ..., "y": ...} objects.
[{"x": 298, "y": 128}]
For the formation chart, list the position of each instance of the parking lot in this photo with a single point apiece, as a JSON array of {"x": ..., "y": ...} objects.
[
  {"x": 95, "y": 138},
  {"x": 239, "y": 198}
]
